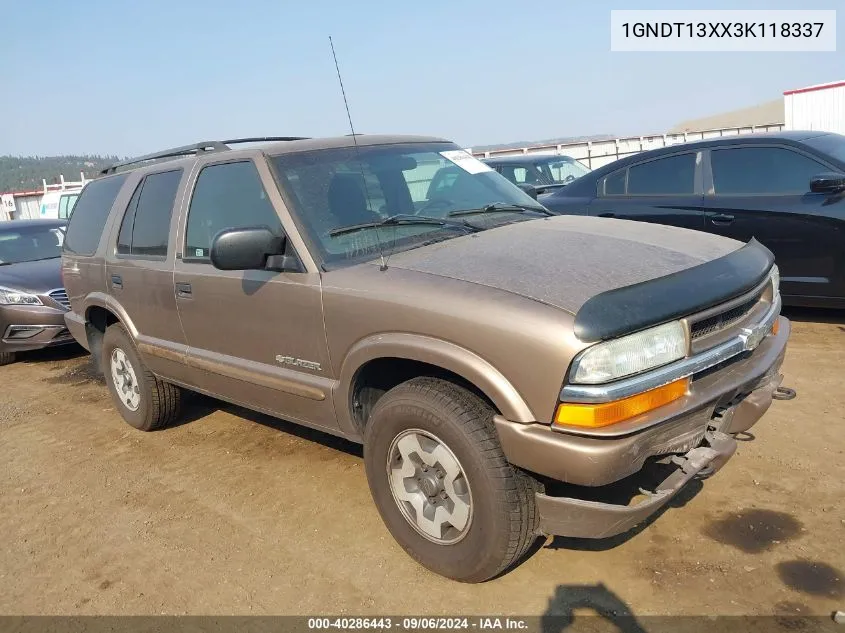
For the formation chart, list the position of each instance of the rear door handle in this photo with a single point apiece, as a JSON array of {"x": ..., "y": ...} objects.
[
  {"x": 184, "y": 290},
  {"x": 721, "y": 218},
  {"x": 116, "y": 281},
  {"x": 607, "y": 214}
]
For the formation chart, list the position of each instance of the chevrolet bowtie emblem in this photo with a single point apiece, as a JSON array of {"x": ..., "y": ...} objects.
[{"x": 751, "y": 337}]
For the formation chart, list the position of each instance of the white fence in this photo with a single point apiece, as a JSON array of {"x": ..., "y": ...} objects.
[{"x": 594, "y": 154}]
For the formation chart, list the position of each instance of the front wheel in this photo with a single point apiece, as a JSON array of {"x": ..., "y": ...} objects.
[
  {"x": 7, "y": 358},
  {"x": 442, "y": 484}
]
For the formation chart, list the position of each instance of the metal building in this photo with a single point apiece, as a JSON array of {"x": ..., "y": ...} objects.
[{"x": 820, "y": 108}]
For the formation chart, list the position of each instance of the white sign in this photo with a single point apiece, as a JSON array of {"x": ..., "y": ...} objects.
[
  {"x": 740, "y": 30},
  {"x": 466, "y": 161},
  {"x": 7, "y": 205}
]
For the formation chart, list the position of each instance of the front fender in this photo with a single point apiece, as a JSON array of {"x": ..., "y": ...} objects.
[{"x": 433, "y": 351}]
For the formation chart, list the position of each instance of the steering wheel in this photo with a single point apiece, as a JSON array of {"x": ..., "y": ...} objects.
[
  {"x": 569, "y": 178},
  {"x": 433, "y": 204}
]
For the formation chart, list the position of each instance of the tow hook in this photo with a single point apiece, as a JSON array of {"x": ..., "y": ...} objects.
[{"x": 784, "y": 393}]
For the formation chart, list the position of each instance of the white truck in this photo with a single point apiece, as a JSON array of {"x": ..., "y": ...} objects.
[{"x": 59, "y": 204}]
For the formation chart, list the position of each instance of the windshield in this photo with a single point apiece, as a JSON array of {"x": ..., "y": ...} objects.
[
  {"x": 27, "y": 244},
  {"x": 331, "y": 190},
  {"x": 562, "y": 169},
  {"x": 543, "y": 170},
  {"x": 831, "y": 144}
]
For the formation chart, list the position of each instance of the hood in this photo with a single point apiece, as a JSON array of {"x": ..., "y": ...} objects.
[
  {"x": 39, "y": 277},
  {"x": 563, "y": 261}
]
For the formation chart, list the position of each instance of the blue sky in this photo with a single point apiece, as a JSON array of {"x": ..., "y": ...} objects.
[{"x": 107, "y": 76}]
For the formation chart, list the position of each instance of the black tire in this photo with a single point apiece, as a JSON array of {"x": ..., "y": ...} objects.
[
  {"x": 504, "y": 519},
  {"x": 159, "y": 400},
  {"x": 7, "y": 358}
]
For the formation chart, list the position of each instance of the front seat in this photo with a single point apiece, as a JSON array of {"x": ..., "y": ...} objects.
[{"x": 347, "y": 202}]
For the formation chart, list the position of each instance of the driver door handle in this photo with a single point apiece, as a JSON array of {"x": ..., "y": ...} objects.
[
  {"x": 721, "y": 219},
  {"x": 184, "y": 290}
]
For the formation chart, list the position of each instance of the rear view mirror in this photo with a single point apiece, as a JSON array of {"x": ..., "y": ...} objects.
[
  {"x": 531, "y": 190},
  {"x": 250, "y": 248},
  {"x": 828, "y": 182},
  {"x": 389, "y": 163}
]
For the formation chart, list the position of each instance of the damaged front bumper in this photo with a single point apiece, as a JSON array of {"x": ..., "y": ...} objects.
[
  {"x": 693, "y": 433},
  {"x": 592, "y": 519}
]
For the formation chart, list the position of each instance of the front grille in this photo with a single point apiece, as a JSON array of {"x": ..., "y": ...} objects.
[
  {"x": 60, "y": 297},
  {"x": 722, "y": 320}
]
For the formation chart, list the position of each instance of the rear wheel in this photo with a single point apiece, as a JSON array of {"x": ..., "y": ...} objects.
[
  {"x": 442, "y": 484},
  {"x": 144, "y": 400},
  {"x": 7, "y": 358}
]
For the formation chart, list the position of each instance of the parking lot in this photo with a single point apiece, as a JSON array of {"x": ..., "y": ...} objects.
[{"x": 233, "y": 512}]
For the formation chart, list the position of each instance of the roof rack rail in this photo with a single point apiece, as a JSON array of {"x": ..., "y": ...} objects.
[
  {"x": 265, "y": 139},
  {"x": 196, "y": 148}
]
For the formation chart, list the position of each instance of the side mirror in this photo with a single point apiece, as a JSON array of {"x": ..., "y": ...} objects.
[
  {"x": 828, "y": 182},
  {"x": 531, "y": 190},
  {"x": 250, "y": 248}
]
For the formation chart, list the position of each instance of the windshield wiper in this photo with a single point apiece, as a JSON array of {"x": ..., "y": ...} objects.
[
  {"x": 26, "y": 261},
  {"x": 403, "y": 218},
  {"x": 503, "y": 207}
]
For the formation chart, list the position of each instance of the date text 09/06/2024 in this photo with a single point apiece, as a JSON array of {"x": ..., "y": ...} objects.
[{"x": 417, "y": 623}]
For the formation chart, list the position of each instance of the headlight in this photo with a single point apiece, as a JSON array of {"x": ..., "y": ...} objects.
[
  {"x": 12, "y": 297},
  {"x": 775, "y": 275},
  {"x": 631, "y": 354}
]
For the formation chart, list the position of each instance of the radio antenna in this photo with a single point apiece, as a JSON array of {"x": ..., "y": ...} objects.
[{"x": 357, "y": 152}]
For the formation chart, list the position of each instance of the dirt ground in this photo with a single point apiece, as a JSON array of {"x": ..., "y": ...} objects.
[{"x": 234, "y": 513}]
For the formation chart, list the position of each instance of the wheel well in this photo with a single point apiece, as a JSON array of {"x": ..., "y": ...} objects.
[
  {"x": 97, "y": 319},
  {"x": 378, "y": 376}
]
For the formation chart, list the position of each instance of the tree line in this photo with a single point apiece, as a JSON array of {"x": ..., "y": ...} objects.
[{"x": 23, "y": 173}]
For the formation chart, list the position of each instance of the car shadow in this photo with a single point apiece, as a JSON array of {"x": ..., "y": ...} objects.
[
  {"x": 52, "y": 354},
  {"x": 196, "y": 406},
  {"x": 815, "y": 315},
  {"x": 560, "y": 611}
]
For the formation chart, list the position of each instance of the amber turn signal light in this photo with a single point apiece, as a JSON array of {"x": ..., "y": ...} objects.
[
  {"x": 776, "y": 326},
  {"x": 606, "y": 413}
]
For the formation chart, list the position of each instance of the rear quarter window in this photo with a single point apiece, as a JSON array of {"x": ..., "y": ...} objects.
[
  {"x": 90, "y": 214},
  {"x": 614, "y": 184}
]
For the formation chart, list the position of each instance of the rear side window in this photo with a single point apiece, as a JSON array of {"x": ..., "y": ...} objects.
[
  {"x": 90, "y": 214},
  {"x": 124, "y": 238},
  {"x": 226, "y": 196},
  {"x": 762, "y": 171},
  {"x": 614, "y": 184},
  {"x": 146, "y": 225},
  {"x": 664, "y": 176}
]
